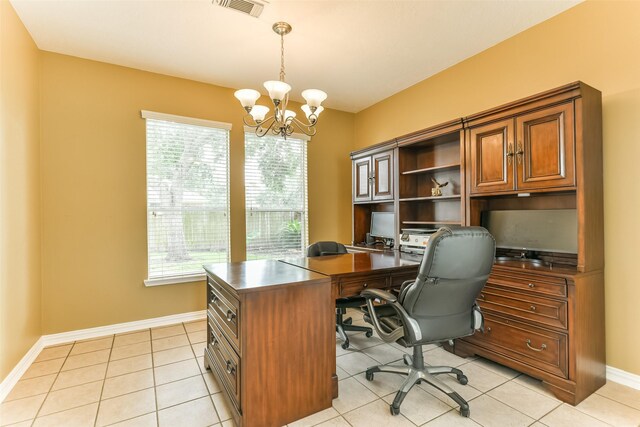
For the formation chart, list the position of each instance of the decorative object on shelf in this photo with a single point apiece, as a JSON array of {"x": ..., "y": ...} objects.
[
  {"x": 283, "y": 122},
  {"x": 438, "y": 190}
]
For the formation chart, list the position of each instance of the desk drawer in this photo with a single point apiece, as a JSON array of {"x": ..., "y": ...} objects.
[
  {"x": 541, "y": 285},
  {"x": 226, "y": 312},
  {"x": 351, "y": 286},
  {"x": 545, "y": 311},
  {"x": 543, "y": 349},
  {"x": 399, "y": 278},
  {"x": 226, "y": 362}
]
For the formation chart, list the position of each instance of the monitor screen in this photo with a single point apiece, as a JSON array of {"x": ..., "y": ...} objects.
[
  {"x": 550, "y": 230},
  {"x": 383, "y": 225}
]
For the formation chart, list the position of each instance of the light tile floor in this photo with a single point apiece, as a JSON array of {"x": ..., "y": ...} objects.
[{"x": 156, "y": 378}]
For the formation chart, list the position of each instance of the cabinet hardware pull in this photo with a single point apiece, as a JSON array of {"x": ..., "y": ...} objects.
[
  {"x": 533, "y": 308},
  {"x": 230, "y": 316},
  {"x": 365, "y": 285},
  {"x": 214, "y": 299},
  {"x": 531, "y": 285},
  {"x": 509, "y": 153},
  {"x": 230, "y": 368},
  {"x": 488, "y": 329},
  {"x": 481, "y": 296},
  {"x": 520, "y": 152},
  {"x": 542, "y": 347}
]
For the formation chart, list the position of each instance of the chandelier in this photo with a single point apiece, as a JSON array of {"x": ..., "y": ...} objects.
[{"x": 283, "y": 122}]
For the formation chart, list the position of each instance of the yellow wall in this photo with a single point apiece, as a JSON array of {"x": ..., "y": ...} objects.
[
  {"x": 596, "y": 42},
  {"x": 20, "y": 280},
  {"x": 94, "y": 188}
]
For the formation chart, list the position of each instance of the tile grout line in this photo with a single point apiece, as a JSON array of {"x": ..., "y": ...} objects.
[
  {"x": 153, "y": 372},
  {"x": 53, "y": 383},
  {"x": 104, "y": 381}
]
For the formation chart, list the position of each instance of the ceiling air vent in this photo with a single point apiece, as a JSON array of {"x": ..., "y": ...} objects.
[{"x": 249, "y": 7}]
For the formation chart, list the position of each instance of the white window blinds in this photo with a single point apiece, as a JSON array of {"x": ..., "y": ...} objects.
[
  {"x": 187, "y": 195},
  {"x": 276, "y": 196}
]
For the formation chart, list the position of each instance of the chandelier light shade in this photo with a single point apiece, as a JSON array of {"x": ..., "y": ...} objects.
[{"x": 282, "y": 122}]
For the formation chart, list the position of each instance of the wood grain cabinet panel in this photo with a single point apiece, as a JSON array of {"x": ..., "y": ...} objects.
[
  {"x": 382, "y": 176},
  {"x": 545, "y": 148},
  {"x": 492, "y": 157},
  {"x": 362, "y": 180}
]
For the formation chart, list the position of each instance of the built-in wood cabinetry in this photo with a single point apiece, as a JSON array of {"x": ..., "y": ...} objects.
[
  {"x": 543, "y": 152},
  {"x": 373, "y": 176},
  {"x": 434, "y": 154},
  {"x": 530, "y": 151}
]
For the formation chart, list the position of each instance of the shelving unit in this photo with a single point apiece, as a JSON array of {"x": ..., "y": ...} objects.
[{"x": 435, "y": 153}]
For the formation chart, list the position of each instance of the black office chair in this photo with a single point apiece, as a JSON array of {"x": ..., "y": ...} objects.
[
  {"x": 439, "y": 305},
  {"x": 342, "y": 324}
]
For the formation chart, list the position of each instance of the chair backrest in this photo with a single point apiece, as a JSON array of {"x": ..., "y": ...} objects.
[
  {"x": 326, "y": 248},
  {"x": 454, "y": 269}
]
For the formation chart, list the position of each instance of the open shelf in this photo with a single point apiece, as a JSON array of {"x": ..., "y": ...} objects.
[
  {"x": 432, "y": 169},
  {"x": 431, "y": 222},
  {"x": 432, "y": 198}
]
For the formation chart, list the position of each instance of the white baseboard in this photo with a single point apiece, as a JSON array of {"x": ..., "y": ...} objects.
[
  {"x": 118, "y": 328},
  {"x": 16, "y": 373},
  {"x": 82, "y": 334},
  {"x": 623, "y": 377}
]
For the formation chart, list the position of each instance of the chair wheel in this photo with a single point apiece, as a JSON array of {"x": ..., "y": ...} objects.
[
  {"x": 368, "y": 334},
  {"x": 369, "y": 376},
  {"x": 465, "y": 412},
  {"x": 463, "y": 379},
  {"x": 345, "y": 345},
  {"x": 394, "y": 410}
]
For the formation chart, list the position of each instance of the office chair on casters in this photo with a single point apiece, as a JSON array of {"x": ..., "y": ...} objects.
[
  {"x": 439, "y": 305},
  {"x": 342, "y": 324}
]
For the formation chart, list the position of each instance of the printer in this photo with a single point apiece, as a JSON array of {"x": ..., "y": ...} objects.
[{"x": 414, "y": 240}]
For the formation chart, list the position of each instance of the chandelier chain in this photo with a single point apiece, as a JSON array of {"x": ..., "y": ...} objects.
[{"x": 282, "y": 74}]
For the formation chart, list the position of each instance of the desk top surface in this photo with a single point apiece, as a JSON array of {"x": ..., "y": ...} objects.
[
  {"x": 351, "y": 263},
  {"x": 259, "y": 275}
]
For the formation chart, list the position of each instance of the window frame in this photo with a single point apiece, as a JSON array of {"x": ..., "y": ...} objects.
[
  {"x": 188, "y": 277},
  {"x": 304, "y": 237}
]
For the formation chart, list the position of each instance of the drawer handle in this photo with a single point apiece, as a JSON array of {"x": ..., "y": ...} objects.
[
  {"x": 214, "y": 299},
  {"x": 488, "y": 330},
  {"x": 230, "y": 316},
  {"x": 481, "y": 297},
  {"x": 365, "y": 285},
  {"x": 531, "y": 285},
  {"x": 533, "y": 308},
  {"x": 542, "y": 347},
  {"x": 230, "y": 368}
]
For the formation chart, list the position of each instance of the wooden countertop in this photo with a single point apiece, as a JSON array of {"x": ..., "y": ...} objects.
[
  {"x": 251, "y": 276},
  {"x": 362, "y": 262}
]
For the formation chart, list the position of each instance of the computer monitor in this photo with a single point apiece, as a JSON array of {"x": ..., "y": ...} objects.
[{"x": 383, "y": 225}]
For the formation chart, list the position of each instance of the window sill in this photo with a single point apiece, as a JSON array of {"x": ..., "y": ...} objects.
[{"x": 174, "y": 280}]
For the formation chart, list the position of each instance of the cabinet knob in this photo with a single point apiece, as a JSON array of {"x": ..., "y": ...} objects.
[
  {"x": 481, "y": 297},
  {"x": 365, "y": 285},
  {"x": 531, "y": 285},
  {"x": 488, "y": 330},
  {"x": 214, "y": 299},
  {"x": 230, "y": 316},
  {"x": 230, "y": 367},
  {"x": 533, "y": 308}
]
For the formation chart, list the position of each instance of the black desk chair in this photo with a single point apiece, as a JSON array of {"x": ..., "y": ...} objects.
[
  {"x": 342, "y": 324},
  {"x": 439, "y": 305}
]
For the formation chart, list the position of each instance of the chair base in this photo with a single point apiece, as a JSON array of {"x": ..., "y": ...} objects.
[
  {"x": 344, "y": 325},
  {"x": 416, "y": 372}
]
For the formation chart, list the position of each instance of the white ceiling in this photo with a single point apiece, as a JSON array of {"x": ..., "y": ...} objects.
[{"x": 358, "y": 51}]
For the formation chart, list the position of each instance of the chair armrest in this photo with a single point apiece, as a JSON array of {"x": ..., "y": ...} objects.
[{"x": 379, "y": 294}]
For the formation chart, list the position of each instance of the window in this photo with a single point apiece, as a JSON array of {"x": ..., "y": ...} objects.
[
  {"x": 276, "y": 196},
  {"x": 187, "y": 196}
]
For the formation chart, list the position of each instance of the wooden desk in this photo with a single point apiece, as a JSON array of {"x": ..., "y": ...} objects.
[
  {"x": 352, "y": 273},
  {"x": 259, "y": 346},
  {"x": 271, "y": 329}
]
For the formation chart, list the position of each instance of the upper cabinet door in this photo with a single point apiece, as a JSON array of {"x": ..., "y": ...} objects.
[
  {"x": 545, "y": 148},
  {"x": 362, "y": 179},
  {"x": 383, "y": 176},
  {"x": 492, "y": 157}
]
